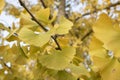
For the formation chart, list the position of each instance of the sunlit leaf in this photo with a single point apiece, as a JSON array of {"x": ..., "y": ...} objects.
[
  {"x": 58, "y": 60},
  {"x": 25, "y": 21},
  {"x": 30, "y": 37},
  {"x": 43, "y": 15},
  {"x": 64, "y": 26},
  {"x": 105, "y": 32},
  {"x": 98, "y": 55},
  {"x": 112, "y": 71}
]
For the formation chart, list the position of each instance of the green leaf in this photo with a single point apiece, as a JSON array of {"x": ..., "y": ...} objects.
[
  {"x": 58, "y": 60},
  {"x": 31, "y": 38}
]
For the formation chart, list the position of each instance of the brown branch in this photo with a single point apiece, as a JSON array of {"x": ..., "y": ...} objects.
[
  {"x": 55, "y": 39},
  {"x": 89, "y": 33},
  {"x": 108, "y": 7},
  {"x": 34, "y": 19},
  {"x": 43, "y": 3}
]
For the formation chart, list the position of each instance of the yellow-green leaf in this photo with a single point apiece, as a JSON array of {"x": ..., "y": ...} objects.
[
  {"x": 78, "y": 71},
  {"x": 43, "y": 15},
  {"x": 25, "y": 21},
  {"x": 63, "y": 27},
  {"x": 58, "y": 60},
  {"x": 31, "y": 38}
]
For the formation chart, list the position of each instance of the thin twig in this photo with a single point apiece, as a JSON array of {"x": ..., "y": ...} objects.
[
  {"x": 55, "y": 39},
  {"x": 34, "y": 19},
  {"x": 96, "y": 10},
  {"x": 43, "y": 3},
  {"x": 84, "y": 37}
]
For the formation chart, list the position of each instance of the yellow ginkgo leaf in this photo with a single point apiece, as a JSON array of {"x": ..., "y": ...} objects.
[
  {"x": 95, "y": 44},
  {"x": 98, "y": 55},
  {"x": 2, "y": 4},
  {"x": 104, "y": 31},
  {"x": 112, "y": 71},
  {"x": 43, "y": 15},
  {"x": 77, "y": 71},
  {"x": 25, "y": 21},
  {"x": 58, "y": 60},
  {"x": 31, "y": 38},
  {"x": 54, "y": 17},
  {"x": 64, "y": 26}
]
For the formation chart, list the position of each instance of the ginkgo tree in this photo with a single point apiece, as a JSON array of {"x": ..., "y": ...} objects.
[{"x": 53, "y": 42}]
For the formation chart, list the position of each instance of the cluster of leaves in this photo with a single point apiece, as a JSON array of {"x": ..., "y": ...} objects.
[{"x": 88, "y": 52}]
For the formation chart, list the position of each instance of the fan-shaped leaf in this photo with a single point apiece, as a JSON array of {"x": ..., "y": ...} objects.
[
  {"x": 78, "y": 71},
  {"x": 31, "y": 38},
  {"x": 64, "y": 26},
  {"x": 58, "y": 60},
  {"x": 105, "y": 32},
  {"x": 112, "y": 71},
  {"x": 43, "y": 15}
]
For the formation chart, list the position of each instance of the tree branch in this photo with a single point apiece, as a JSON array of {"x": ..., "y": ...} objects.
[
  {"x": 43, "y": 3},
  {"x": 108, "y": 7},
  {"x": 84, "y": 37},
  {"x": 34, "y": 19}
]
